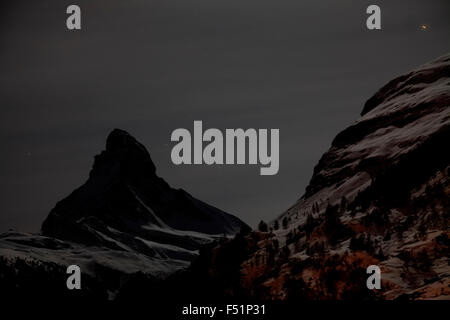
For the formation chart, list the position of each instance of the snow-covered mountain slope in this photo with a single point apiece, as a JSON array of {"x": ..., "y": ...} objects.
[
  {"x": 124, "y": 219},
  {"x": 41, "y": 249},
  {"x": 379, "y": 195}
]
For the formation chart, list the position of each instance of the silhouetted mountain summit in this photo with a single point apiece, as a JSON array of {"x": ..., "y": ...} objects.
[
  {"x": 124, "y": 199},
  {"x": 124, "y": 157}
]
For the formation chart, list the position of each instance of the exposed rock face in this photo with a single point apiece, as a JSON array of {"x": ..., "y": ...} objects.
[
  {"x": 379, "y": 195},
  {"x": 124, "y": 220}
]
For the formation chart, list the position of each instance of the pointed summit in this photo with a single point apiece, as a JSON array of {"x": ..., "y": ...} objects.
[{"x": 120, "y": 142}]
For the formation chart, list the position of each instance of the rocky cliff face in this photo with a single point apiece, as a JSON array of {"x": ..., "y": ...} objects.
[{"x": 379, "y": 195}]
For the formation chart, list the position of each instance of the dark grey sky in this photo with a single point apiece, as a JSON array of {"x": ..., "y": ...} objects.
[{"x": 151, "y": 66}]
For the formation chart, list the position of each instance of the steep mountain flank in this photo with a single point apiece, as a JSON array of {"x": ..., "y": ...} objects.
[{"x": 379, "y": 195}]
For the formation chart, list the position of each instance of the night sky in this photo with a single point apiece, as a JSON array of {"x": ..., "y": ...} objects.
[{"x": 151, "y": 66}]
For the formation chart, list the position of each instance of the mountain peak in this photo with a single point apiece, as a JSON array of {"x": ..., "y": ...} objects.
[
  {"x": 119, "y": 140},
  {"x": 124, "y": 156},
  {"x": 124, "y": 205}
]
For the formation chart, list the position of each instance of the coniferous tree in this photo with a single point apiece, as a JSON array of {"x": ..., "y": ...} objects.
[
  {"x": 276, "y": 225},
  {"x": 262, "y": 226},
  {"x": 284, "y": 223}
]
